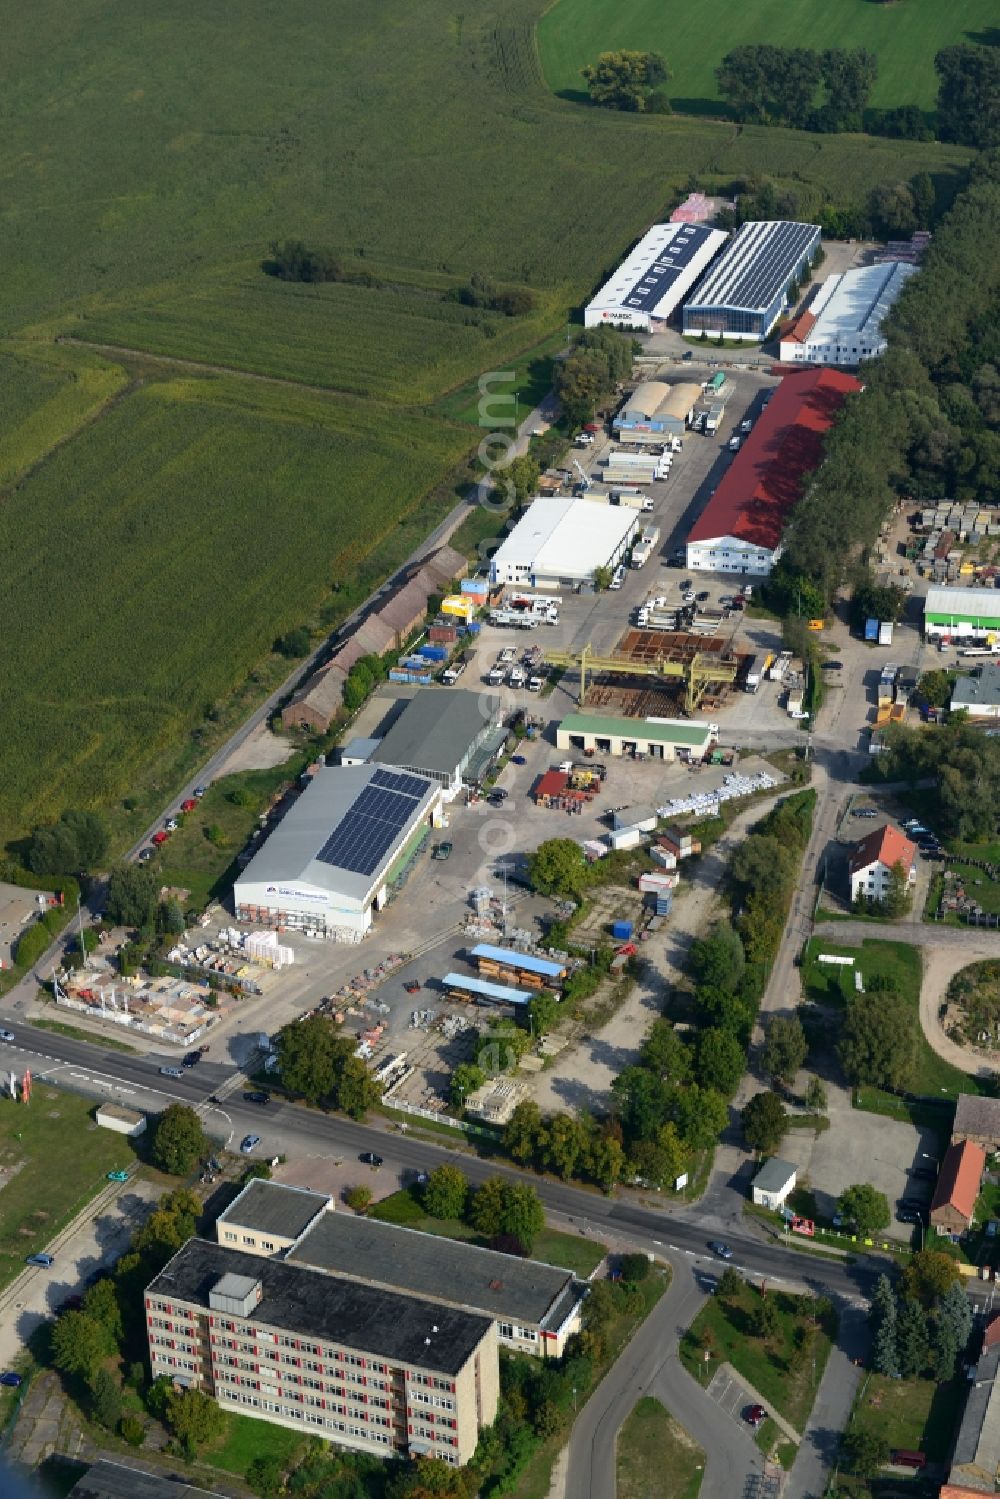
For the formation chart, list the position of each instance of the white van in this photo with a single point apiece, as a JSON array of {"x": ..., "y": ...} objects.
[{"x": 618, "y": 579}]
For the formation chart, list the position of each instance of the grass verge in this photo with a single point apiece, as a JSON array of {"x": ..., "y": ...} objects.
[
  {"x": 656, "y": 1458},
  {"x": 75, "y": 1033}
]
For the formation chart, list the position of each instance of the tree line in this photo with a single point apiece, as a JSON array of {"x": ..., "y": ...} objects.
[
  {"x": 928, "y": 422},
  {"x": 891, "y": 210},
  {"x": 965, "y": 768},
  {"x": 587, "y": 379}
]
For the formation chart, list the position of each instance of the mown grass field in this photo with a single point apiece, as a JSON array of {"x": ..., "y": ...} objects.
[
  {"x": 172, "y": 524},
  {"x": 57, "y": 1159},
  {"x": 656, "y": 1457},
  {"x": 903, "y": 37},
  {"x": 152, "y": 562}
]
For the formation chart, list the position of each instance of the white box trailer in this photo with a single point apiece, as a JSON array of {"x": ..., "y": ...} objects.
[
  {"x": 633, "y": 498},
  {"x": 636, "y": 468}
]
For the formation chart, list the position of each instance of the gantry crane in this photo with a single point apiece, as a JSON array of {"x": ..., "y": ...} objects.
[{"x": 698, "y": 674}]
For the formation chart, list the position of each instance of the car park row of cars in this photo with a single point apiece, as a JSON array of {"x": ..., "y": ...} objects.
[{"x": 171, "y": 824}]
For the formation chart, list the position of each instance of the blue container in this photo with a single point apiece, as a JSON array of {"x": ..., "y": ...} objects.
[
  {"x": 474, "y": 626},
  {"x": 621, "y": 930},
  {"x": 433, "y": 652}
]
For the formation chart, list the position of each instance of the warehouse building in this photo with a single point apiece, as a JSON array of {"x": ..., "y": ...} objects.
[
  {"x": 843, "y": 323},
  {"x": 659, "y": 738},
  {"x": 740, "y": 529},
  {"x": 441, "y": 735},
  {"x": 328, "y": 863},
  {"x": 656, "y": 410},
  {"x": 743, "y": 294},
  {"x": 535, "y": 1307},
  {"x": 965, "y": 614},
  {"x": 367, "y": 1368},
  {"x": 562, "y": 541},
  {"x": 655, "y": 277}
]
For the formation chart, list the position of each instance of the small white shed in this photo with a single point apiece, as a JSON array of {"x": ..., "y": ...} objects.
[
  {"x": 773, "y": 1183},
  {"x": 123, "y": 1121}
]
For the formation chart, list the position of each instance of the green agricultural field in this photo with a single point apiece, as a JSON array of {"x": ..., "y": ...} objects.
[
  {"x": 168, "y": 522},
  {"x": 53, "y": 1159},
  {"x": 904, "y": 37},
  {"x": 404, "y": 344},
  {"x": 153, "y": 561}
]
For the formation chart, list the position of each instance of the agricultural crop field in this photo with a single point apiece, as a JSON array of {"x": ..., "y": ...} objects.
[
  {"x": 161, "y": 524},
  {"x": 151, "y": 563},
  {"x": 403, "y": 344},
  {"x": 904, "y": 37}
]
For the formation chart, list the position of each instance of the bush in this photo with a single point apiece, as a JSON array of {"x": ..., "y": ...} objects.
[
  {"x": 131, "y": 1430},
  {"x": 634, "y": 1267}
]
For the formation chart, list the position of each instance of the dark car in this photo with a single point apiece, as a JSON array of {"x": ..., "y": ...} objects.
[
  {"x": 11, "y": 1380},
  {"x": 687, "y": 355},
  {"x": 518, "y": 760},
  {"x": 722, "y": 1250},
  {"x": 833, "y": 665},
  {"x": 257, "y": 1096},
  {"x": 369, "y": 1158},
  {"x": 44, "y": 1260},
  {"x": 701, "y": 597},
  {"x": 923, "y": 1173},
  {"x": 907, "y": 1215},
  {"x": 411, "y": 986},
  {"x": 755, "y": 1415},
  {"x": 248, "y": 1143},
  {"x": 191, "y": 1059}
]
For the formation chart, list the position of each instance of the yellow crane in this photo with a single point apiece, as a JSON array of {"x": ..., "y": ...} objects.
[{"x": 698, "y": 674}]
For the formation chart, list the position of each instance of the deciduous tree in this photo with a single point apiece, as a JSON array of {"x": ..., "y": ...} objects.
[
  {"x": 179, "y": 1140},
  {"x": 625, "y": 80},
  {"x": 446, "y": 1192},
  {"x": 720, "y": 1061},
  {"x": 80, "y": 1344},
  {"x": 194, "y": 1419},
  {"x": 558, "y": 867},
  {"x": 131, "y": 895},
  {"x": 878, "y": 1042},
  {"x": 764, "y": 1123},
  {"x": 866, "y": 1208},
  {"x": 785, "y": 1047}
]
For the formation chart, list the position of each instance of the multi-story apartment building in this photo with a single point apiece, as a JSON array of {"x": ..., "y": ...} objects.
[
  {"x": 369, "y": 1369},
  {"x": 536, "y": 1307}
]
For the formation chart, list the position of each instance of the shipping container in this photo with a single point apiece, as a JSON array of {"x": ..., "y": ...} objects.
[{"x": 871, "y": 630}]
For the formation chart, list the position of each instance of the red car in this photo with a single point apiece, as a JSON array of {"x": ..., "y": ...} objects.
[
  {"x": 755, "y": 1415},
  {"x": 189, "y": 805},
  {"x": 160, "y": 837}
]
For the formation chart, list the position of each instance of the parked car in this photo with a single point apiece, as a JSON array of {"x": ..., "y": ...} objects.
[
  {"x": 248, "y": 1143},
  {"x": 411, "y": 986},
  {"x": 689, "y": 596},
  {"x": 171, "y": 825},
  {"x": 755, "y": 1415},
  {"x": 257, "y": 1095},
  {"x": 369, "y": 1158},
  {"x": 442, "y": 851},
  {"x": 518, "y": 760},
  {"x": 46, "y": 1261},
  {"x": 199, "y": 792},
  {"x": 145, "y": 854},
  {"x": 722, "y": 1250},
  {"x": 687, "y": 356},
  {"x": 923, "y": 1173},
  {"x": 11, "y": 1380},
  {"x": 171, "y": 1072},
  {"x": 7, "y": 1036},
  {"x": 160, "y": 837},
  {"x": 833, "y": 665},
  {"x": 701, "y": 597}
]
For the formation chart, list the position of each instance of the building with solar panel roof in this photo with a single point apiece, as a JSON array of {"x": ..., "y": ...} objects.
[
  {"x": 743, "y": 294},
  {"x": 655, "y": 277},
  {"x": 327, "y": 865}
]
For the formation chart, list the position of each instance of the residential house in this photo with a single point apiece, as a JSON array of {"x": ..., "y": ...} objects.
[
  {"x": 954, "y": 1202},
  {"x": 872, "y": 860}
]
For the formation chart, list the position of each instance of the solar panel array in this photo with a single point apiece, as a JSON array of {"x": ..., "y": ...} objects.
[
  {"x": 675, "y": 258},
  {"x": 755, "y": 266},
  {"x": 361, "y": 840}
]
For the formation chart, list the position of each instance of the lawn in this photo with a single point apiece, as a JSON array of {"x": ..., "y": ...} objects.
[
  {"x": 787, "y": 1380},
  {"x": 532, "y": 381},
  {"x": 913, "y": 1413},
  {"x": 54, "y": 1158},
  {"x": 60, "y": 1028},
  {"x": 656, "y": 1457},
  {"x": 570, "y": 1251},
  {"x": 246, "y": 1438},
  {"x": 903, "y": 37},
  {"x": 834, "y": 984}
]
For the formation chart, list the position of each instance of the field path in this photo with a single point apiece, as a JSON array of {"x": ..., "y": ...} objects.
[{"x": 198, "y": 366}]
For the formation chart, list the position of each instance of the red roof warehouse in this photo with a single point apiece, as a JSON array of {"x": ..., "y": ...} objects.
[{"x": 740, "y": 528}]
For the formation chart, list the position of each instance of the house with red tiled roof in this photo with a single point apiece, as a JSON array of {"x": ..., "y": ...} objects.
[
  {"x": 872, "y": 860},
  {"x": 959, "y": 1180},
  {"x": 740, "y": 529}
]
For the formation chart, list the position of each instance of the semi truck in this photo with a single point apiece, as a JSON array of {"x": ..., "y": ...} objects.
[
  {"x": 636, "y": 468},
  {"x": 641, "y": 553}
]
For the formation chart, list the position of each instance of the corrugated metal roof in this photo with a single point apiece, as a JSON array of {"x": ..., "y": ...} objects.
[
  {"x": 659, "y": 271},
  {"x": 767, "y": 476},
  {"x": 527, "y": 961},
  {"x": 755, "y": 266},
  {"x": 500, "y": 992}
]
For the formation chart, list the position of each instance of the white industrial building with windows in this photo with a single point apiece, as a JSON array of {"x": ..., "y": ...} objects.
[
  {"x": 328, "y": 863},
  {"x": 655, "y": 277},
  {"x": 562, "y": 541},
  {"x": 843, "y": 323}
]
